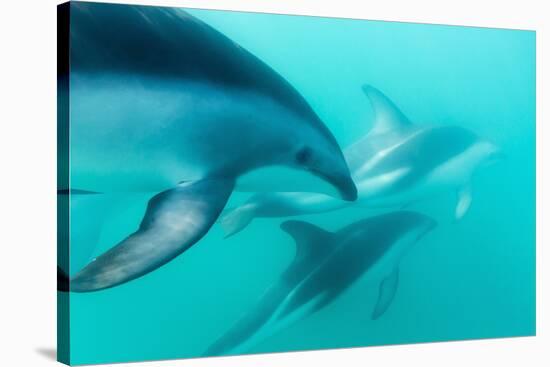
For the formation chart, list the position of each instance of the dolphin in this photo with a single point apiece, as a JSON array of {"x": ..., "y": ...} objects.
[
  {"x": 162, "y": 103},
  {"x": 325, "y": 265},
  {"x": 395, "y": 164}
]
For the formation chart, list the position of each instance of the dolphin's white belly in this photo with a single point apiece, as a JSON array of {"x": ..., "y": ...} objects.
[
  {"x": 458, "y": 170},
  {"x": 419, "y": 190},
  {"x": 293, "y": 203},
  {"x": 130, "y": 134}
]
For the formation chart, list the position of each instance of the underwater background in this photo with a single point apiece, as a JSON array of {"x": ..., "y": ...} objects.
[{"x": 473, "y": 278}]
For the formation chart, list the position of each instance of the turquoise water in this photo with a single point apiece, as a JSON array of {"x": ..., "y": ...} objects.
[{"x": 473, "y": 278}]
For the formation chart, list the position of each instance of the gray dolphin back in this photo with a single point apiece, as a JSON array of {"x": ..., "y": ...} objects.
[{"x": 169, "y": 43}]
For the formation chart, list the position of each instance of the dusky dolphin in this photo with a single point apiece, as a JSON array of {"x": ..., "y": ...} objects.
[
  {"x": 395, "y": 164},
  {"x": 161, "y": 102},
  {"x": 325, "y": 265}
]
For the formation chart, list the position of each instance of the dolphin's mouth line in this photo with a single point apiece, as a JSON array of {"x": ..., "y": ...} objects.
[{"x": 344, "y": 185}]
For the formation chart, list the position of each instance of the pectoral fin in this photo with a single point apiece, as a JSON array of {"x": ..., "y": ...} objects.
[
  {"x": 174, "y": 220},
  {"x": 237, "y": 219},
  {"x": 464, "y": 195},
  {"x": 386, "y": 293}
]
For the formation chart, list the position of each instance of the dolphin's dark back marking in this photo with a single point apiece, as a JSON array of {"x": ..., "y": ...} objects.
[
  {"x": 168, "y": 42},
  {"x": 423, "y": 153}
]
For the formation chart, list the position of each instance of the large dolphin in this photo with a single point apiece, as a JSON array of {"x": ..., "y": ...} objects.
[
  {"x": 325, "y": 265},
  {"x": 396, "y": 163},
  {"x": 163, "y": 103}
]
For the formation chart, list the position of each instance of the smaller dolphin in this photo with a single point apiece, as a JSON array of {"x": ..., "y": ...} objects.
[
  {"x": 395, "y": 164},
  {"x": 325, "y": 265}
]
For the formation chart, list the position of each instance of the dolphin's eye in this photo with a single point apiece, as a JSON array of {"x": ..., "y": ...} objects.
[{"x": 304, "y": 155}]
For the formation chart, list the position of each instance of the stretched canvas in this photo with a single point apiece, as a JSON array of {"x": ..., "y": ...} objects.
[{"x": 233, "y": 183}]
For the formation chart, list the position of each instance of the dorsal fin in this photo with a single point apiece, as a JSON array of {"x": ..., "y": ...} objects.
[
  {"x": 387, "y": 116},
  {"x": 309, "y": 238}
]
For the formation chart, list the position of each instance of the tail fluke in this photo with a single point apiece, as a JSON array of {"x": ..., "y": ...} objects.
[{"x": 237, "y": 219}]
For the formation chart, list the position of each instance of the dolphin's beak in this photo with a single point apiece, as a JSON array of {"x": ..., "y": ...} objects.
[
  {"x": 344, "y": 184},
  {"x": 347, "y": 189}
]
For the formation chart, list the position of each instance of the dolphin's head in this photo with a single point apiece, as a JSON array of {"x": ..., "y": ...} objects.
[
  {"x": 483, "y": 153},
  {"x": 300, "y": 156},
  {"x": 490, "y": 153},
  {"x": 320, "y": 154}
]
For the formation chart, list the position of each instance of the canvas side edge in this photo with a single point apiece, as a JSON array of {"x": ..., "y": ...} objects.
[{"x": 63, "y": 66}]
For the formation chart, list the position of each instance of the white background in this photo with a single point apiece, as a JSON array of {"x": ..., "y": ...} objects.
[{"x": 28, "y": 173}]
